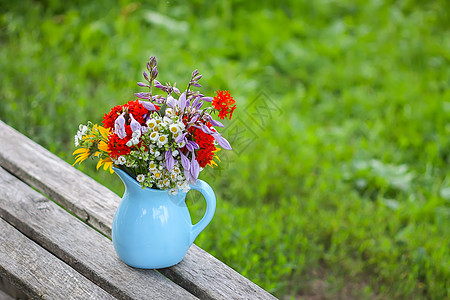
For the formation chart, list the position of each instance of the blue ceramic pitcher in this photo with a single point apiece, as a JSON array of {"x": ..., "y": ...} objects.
[{"x": 153, "y": 229}]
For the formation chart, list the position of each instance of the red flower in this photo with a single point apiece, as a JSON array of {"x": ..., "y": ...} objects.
[
  {"x": 223, "y": 103},
  {"x": 117, "y": 146},
  {"x": 110, "y": 118},
  {"x": 138, "y": 111},
  {"x": 205, "y": 154}
]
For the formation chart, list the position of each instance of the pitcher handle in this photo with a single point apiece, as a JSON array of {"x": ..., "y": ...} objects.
[{"x": 210, "y": 198}]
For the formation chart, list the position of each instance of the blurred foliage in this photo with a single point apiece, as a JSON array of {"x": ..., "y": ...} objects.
[{"x": 338, "y": 185}]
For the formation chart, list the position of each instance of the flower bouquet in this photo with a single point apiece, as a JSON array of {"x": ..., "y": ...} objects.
[
  {"x": 158, "y": 145},
  {"x": 164, "y": 142}
]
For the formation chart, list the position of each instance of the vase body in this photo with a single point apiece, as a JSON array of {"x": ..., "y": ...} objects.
[{"x": 151, "y": 228}]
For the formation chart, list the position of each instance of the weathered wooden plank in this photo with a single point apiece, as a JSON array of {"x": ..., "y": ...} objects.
[
  {"x": 197, "y": 273},
  {"x": 40, "y": 274},
  {"x": 80, "y": 246},
  {"x": 76, "y": 192},
  {"x": 9, "y": 290},
  {"x": 200, "y": 273},
  {"x": 5, "y": 296}
]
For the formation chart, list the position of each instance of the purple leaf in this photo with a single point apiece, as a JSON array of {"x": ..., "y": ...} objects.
[
  {"x": 170, "y": 161},
  {"x": 157, "y": 84},
  {"x": 205, "y": 129},
  {"x": 195, "y": 102},
  {"x": 182, "y": 101},
  {"x": 148, "y": 105},
  {"x": 154, "y": 72},
  {"x": 134, "y": 125},
  {"x": 199, "y": 105},
  {"x": 222, "y": 141},
  {"x": 119, "y": 126},
  {"x": 143, "y": 84},
  {"x": 181, "y": 137},
  {"x": 189, "y": 146},
  {"x": 215, "y": 123},
  {"x": 207, "y": 99},
  {"x": 171, "y": 101},
  {"x": 184, "y": 161},
  {"x": 195, "y": 168},
  {"x": 192, "y": 145},
  {"x": 187, "y": 175},
  {"x": 143, "y": 95},
  {"x": 195, "y": 145},
  {"x": 194, "y": 118}
]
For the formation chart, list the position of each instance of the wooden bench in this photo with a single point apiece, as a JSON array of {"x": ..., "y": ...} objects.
[{"x": 55, "y": 229}]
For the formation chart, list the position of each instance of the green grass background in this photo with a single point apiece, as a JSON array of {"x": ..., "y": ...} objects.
[{"x": 342, "y": 191}]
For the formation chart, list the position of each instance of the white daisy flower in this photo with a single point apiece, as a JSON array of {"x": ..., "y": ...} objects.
[
  {"x": 140, "y": 178},
  {"x": 160, "y": 184},
  {"x": 162, "y": 140},
  {"x": 181, "y": 125},
  {"x": 151, "y": 124},
  {"x": 169, "y": 112},
  {"x": 173, "y": 192},
  {"x": 166, "y": 182},
  {"x": 156, "y": 175},
  {"x": 154, "y": 136},
  {"x": 166, "y": 121},
  {"x": 176, "y": 170},
  {"x": 152, "y": 166},
  {"x": 174, "y": 129},
  {"x": 121, "y": 160}
]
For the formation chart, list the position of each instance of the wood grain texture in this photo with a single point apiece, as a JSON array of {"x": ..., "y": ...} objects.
[
  {"x": 40, "y": 274},
  {"x": 199, "y": 273},
  {"x": 77, "y": 244},
  {"x": 5, "y": 296},
  {"x": 9, "y": 290}
]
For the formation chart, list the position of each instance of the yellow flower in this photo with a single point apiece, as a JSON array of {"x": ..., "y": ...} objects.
[
  {"x": 107, "y": 164},
  {"x": 212, "y": 163},
  {"x": 103, "y": 131},
  {"x": 98, "y": 141},
  {"x": 82, "y": 154},
  {"x": 103, "y": 146}
]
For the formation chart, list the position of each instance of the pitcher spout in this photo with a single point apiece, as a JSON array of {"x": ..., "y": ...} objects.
[{"x": 130, "y": 183}]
